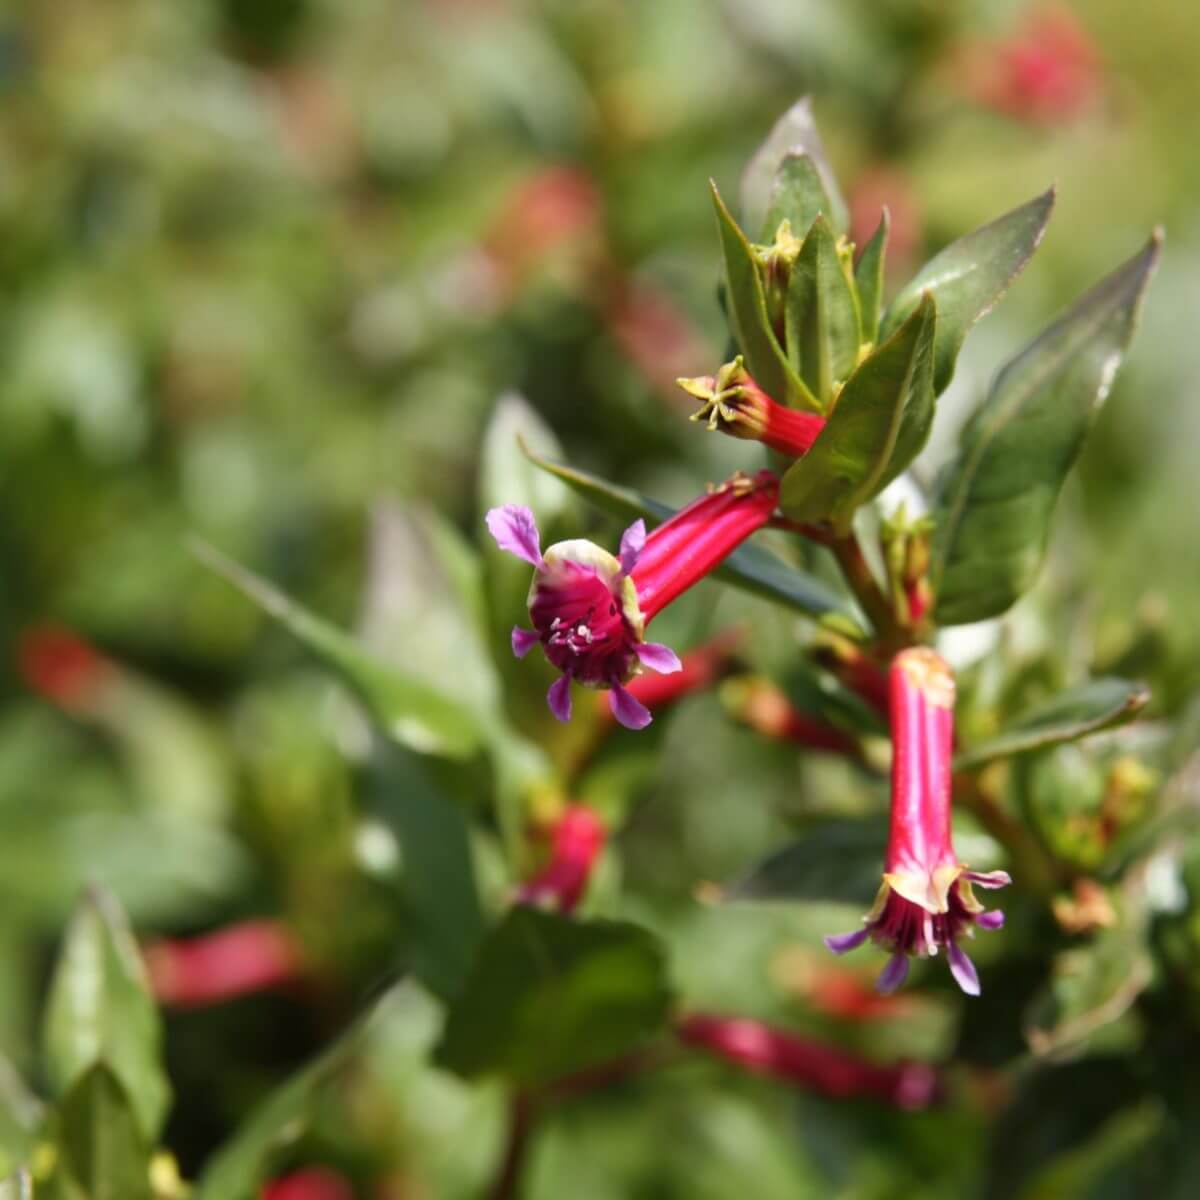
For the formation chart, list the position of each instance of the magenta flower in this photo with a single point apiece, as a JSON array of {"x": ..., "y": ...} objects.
[
  {"x": 590, "y": 610},
  {"x": 575, "y": 844},
  {"x": 926, "y": 900}
]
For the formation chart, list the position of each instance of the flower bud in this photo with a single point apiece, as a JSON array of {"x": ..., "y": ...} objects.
[
  {"x": 733, "y": 403},
  {"x": 576, "y": 842}
]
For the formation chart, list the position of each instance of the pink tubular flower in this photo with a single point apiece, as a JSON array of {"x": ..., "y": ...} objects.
[
  {"x": 590, "y": 610},
  {"x": 576, "y": 842},
  {"x": 310, "y": 1183},
  {"x": 926, "y": 900},
  {"x": 62, "y": 666},
  {"x": 734, "y": 404},
  {"x": 247, "y": 957},
  {"x": 814, "y": 1065}
]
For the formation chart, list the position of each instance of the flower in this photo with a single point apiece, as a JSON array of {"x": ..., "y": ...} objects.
[
  {"x": 310, "y": 1183},
  {"x": 733, "y": 403},
  {"x": 62, "y": 666},
  {"x": 814, "y": 1065},
  {"x": 576, "y": 842},
  {"x": 590, "y": 609},
  {"x": 926, "y": 899}
]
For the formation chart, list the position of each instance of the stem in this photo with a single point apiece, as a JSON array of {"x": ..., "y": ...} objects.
[
  {"x": 869, "y": 594},
  {"x": 520, "y": 1129}
]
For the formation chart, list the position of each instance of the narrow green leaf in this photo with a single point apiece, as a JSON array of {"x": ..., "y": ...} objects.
[
  {"x": 1096, "y": 705},
  {"x": 880, "y": 414},
  {"x": 996, "y": 499},
  {"x": 18, "y": 1185},
  {"x": 795, "y": 133},
  {"x": 838, "y": 861},
  {"x": 797, "y": 196},
  {"x": 240, "y": 1167},
  {"x": 104, "y": 1148},
  {"x": 100, "y": 1012},
  {"x": 821, "y": 316},
  {"x": 751, "y": 568},
  {"x": 549, "y": 995},
  {"x": 868, "y": 278},
  {"x": 969, "y": 276},
  {"x": 748, "y": 316},
  {"x": 406, "y": 708},
  {"x": 21, "y": 1117},
  {"x": 445, "y": 918}
]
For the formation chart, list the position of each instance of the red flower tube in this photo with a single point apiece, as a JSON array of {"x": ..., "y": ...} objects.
[
  {"x": 926, "y": 900},
  {"x": 247, "y": 957},
  {"x": 590, "y": 609},
  {"x": 733, "y": 403},
  {"x": 813, "y": 1065},
  {"x": 310, "y": 1183},
  {"x": 62, "y": 666},
  {"x": 576, "y": 842}
]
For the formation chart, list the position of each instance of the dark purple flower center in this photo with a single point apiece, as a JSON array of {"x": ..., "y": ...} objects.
[
  {"x": 582, "y": 628},
  {"x": 906, "y": 926}
]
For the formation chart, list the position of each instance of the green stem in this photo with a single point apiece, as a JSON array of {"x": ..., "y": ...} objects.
[
  {"x": 862, "y": 582},
  {"x": 507, "y": 1183}
]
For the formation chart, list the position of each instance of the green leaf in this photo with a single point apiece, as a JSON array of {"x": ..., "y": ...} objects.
[
  {"x": 752, "y": 568},
  {"x": 100, "y": 1012},
  {"x": 238, "y": 1170},
  {"x": 838, "y": 861},
  {"x": 406, "y": 708},
  {"x": 868, "y": 279},
  {"x": 549, "y": 996},
  {"x": 882, "y": 413},
  {"x": 797, "y": 196},
  {"x": 748, "y": 316},
  {"x": 1074, "y": 714},
  {"x": 445, "y": 919},
  {"x": 506, "y": 476},
  {"x": 968, "y": 277},
  {"x": 104, "y": 1147},
  {"x": 821, "y": 316},
  {"x": 21, "y": 1117},
  {"x": 996, "y": 499},
  {"x": 795, "y": 133},
  {"x": 18, "y": 1185}
]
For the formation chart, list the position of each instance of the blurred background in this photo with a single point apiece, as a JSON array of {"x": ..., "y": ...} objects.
[{"x": 268, "y": 267}]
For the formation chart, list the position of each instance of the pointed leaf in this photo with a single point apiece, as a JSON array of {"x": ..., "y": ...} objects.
[
  {"x": 868, "y": 278},
  {"x": 821, "y": 316},
  {"x": 1096, "y": 705},
  {"x": 969, "y": 276},
  {"x": 997, "y": 497},
  {"x": 749, "y": 319},
  {"x": 794, "y": 133},
  {"x": 549, "y": 995},
  {"x": 797, "y": 196},
  {"x": 405, "y": 708},
  {"x": 752, "y": 568},
  {"x": 100, "y": 1011},
  {"x": 21, "y": 1117},
  {"x": 880, "y": 413},
  {"x": 838, "y": 861},
  {"x": 104, "y": 1147}
]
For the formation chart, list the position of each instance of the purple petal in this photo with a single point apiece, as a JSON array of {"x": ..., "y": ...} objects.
[
  {"x": 893, "y": 975},
  {"x": 516, "y": 531},
  {"x": 559, "y": 698},
  {"x": 991, "y": 920},
  {"x": 632, "y": 713},
  {"x": 523, "y": 640},
  {"x": 840, "y": 943},
  {"x": 659, "y": 658},
  {"x": 633, "y": 540},
  {"x": 989, "y": 879},
  {"x": 963, "y": 970}
]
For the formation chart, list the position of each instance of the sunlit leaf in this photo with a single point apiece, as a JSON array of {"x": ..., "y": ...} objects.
[
  {"x": 869, "y": 276},
  {"x": 104, "y": 1148},
  {"x": 997, "y": 497},
  {"x": 797, "y": 196}
]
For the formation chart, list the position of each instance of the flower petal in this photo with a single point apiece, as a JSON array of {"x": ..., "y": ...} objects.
[
  {"x": 633, "y": 541},
  {"x": 516, "y": 531},
  {"x": 559, "y": 698},
  {"x": 990, "y": 920},
  {"x": 989, "y": 879},
  {"x": 632, "y": 713},
  {"x": 963, "y": 969},
  {"x": 523, "y": 640},
  {"x": 659, "y": 658},
  {"x": 893, "y": 975},
  {"x": 840, "y": 943}
]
